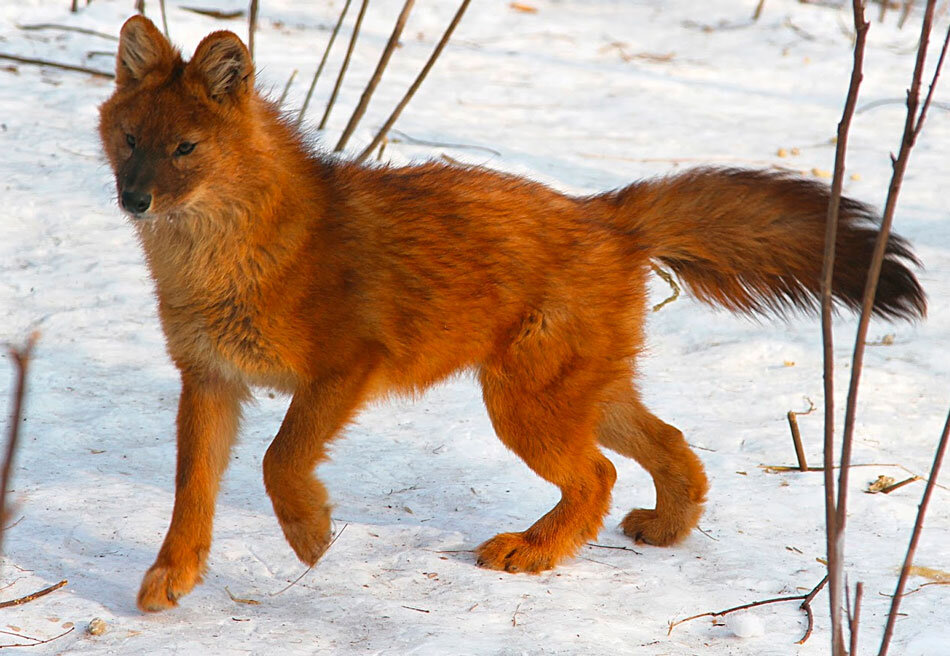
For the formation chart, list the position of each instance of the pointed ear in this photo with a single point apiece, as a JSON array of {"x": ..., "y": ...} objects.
[
  {"x": 222, "y": 66},
  {"x": 142, "y": 50}
]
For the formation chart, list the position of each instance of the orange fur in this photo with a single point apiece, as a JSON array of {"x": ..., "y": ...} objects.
[{"x": 341, "y": 283}]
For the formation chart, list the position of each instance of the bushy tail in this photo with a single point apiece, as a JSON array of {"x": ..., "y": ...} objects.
[{"x": 752, "y": 241}]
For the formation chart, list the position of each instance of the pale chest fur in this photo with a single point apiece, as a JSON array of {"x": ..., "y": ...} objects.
[{"x": 212, "y": 309}]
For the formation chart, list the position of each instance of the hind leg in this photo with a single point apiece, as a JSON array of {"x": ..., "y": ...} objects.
[
  {"x": 628, "y": 428},
  {"x": 551, "y": 426}
]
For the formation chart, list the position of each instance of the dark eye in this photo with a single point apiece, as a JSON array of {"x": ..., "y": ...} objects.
[
  {"x": 129, "y": 139},
  {"x": 184, "y": 148}
]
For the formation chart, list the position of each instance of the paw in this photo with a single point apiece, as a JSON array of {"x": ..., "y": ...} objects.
[
  {"x": 163, "y": 585},
  {"x": 649, "y": 527},
  {"x": 510, "y": 552},
  {"x": 309, "y": 537}
]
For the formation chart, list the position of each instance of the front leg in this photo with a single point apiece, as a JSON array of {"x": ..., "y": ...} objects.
[
  {"x": 318, "y": 411},
  {"x": 208, "y": 415}
]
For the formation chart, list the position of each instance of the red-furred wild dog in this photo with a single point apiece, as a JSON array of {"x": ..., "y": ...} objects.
[{"x": 340, "y": 283}]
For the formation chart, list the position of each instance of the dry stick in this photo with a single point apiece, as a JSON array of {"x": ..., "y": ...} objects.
[
  {"x": 405, "y": 138},
  {"x": 854, "y": 619},
  {"x": 905, "y": 12},
  {"x": 797, "y": 435},
  {"x": 610, "y": 546},
  {"x": 290, "y": 80},
  {"x": 68, "y": 28},
  {"x": 911, "y": 130},
  {"x": 377, "y": 74},
  {"x": 323, "y": 62},
  {"x": 669, "y": 281},
  {"x": 758, "y": 10},
  {"x": 914, "y": 537},
  {"x": 415, "y": 85},
  {"x": 307, "y": 571},
  {"x": 21, "y": 356},
  {"x": 42, "y": 642},
  {"x": 346, "y": 63},
  {"x": 833, "y": 543},
  {"x": 65, "y": 67},
  {"x": 161, "y": 7},
  {"x": 214, "y": 13},
  {"x": 75, "y": 6},
  {"x": 805, "y": 606},
  {"x": 251, "y": 27},
  {"x": 895, "y": 486},
  {"x": 36, "y": 595}
]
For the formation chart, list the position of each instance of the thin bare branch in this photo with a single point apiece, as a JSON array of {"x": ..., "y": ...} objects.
[
  {"x": 323, "y": 61},
  {"x": 806, "y": 600},
  {"x": 914, "y": 537},
  {"x": 51, "y": 64},
  {"x": 215, "y": 13},
  {"x": 251, "y": 26},
  {"x": 42, "y": 642},
  {"x": 68, "y": 28},
  {"x": 416, "y": 83},
  {"x": 161, "y": 8},
  {"x": 933, "y": 85},
  {"x": 912, "y": 126},
  {"x": 346, "y": 63},
  {"x": 360, "y": 108},
  {"x": 905, "y": 12},
  {"x": 21, "y": 357},
  {"x": 283, "y": 95},
  {"x": 835, "y": 542},
  {"x": 36, "y": 595}
]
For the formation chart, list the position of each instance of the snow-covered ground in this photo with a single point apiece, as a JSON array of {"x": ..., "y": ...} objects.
[{"x": 584, "y": 95}]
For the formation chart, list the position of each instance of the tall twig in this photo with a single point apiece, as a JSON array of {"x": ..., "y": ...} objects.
[
  {"x": 416, "y": 83},
  {"x": 346, "y": 63},
  {"x": 323, "y": 61},
  {"x": 914, "y": 537},
  {"x": 161, "y": 7},
  {"x": 911, "y": 130},
  {"x": 377, "y": 74},
  {"x": 831, "y": 230},
  {"x": 283, "y": 95},
  {"x": 905, "y": 12},
  {"x": 251, "y": 26},
  {"x": 21, "y": 357}
]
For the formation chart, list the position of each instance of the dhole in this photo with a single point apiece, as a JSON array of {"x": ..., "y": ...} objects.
[{"x": 341, "y": 283}]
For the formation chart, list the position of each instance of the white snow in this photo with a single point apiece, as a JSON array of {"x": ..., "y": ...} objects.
[
  {"x": 745, "y": 624},
  {"x": 584, "y": 95}
]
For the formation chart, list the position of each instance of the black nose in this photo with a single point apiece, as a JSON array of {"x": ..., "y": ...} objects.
[{"x": 135, "y": 201}]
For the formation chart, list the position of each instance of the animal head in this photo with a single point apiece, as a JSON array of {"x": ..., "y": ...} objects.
[{"x": 170, "y": 127}]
